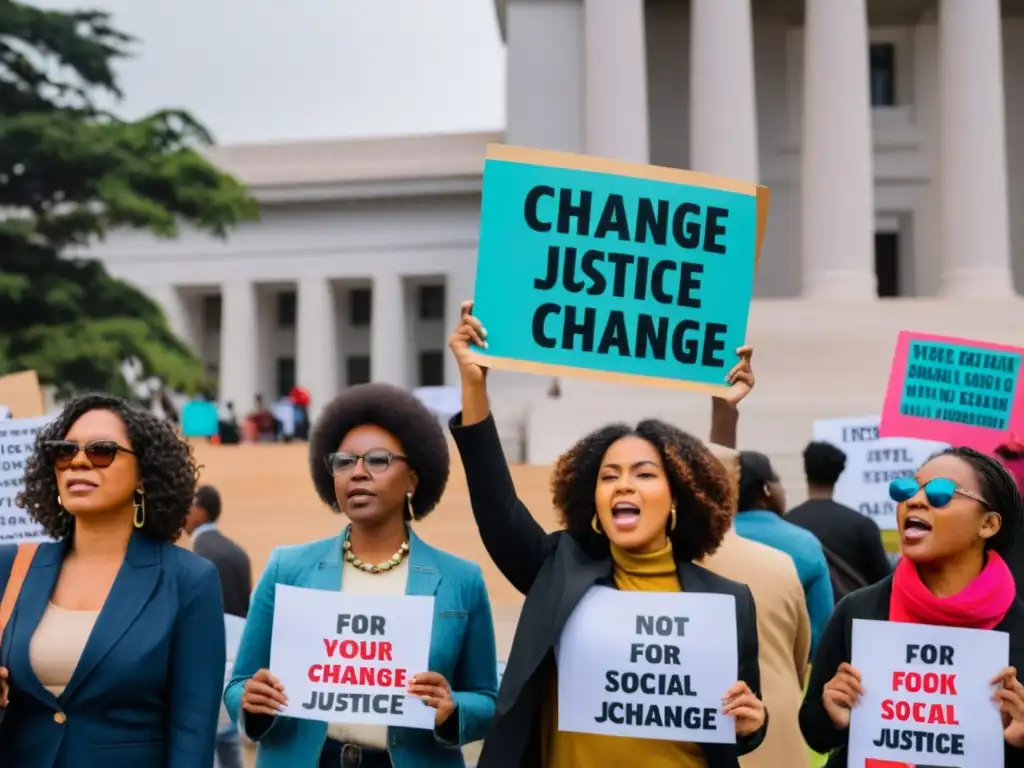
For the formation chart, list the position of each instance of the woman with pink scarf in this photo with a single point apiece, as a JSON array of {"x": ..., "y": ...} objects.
[{"x": 956, "y": 517}]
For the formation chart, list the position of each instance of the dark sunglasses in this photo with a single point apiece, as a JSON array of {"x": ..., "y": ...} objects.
[
  {"x": 939, "y": 491},
  {"x": 377, "y": 460},
  {"x": 100, "y": 453}
]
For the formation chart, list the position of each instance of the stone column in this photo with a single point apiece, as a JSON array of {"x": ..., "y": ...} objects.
[
  {"x": 239, "y": 345},
  {"x": 179, "y": 314},
  {"x": 975, "y": 218},
  {"x": 316, "y": 342},
  {"x": 458, "y": 288},
  {"x": 615, "y": 80},
  {"x": 389, "y": 332},
  {"x": 723, "y": 107},
  {"x": 837, "y": 195}
]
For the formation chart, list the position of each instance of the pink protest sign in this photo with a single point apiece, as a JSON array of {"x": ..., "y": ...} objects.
[{"x": 955, "y": 391}]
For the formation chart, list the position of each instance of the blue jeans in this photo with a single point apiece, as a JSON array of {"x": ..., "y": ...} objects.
[{"x": 229, "y": 750}]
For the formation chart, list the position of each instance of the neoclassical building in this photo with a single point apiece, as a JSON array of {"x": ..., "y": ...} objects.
[{"x": 891, "y": 134}]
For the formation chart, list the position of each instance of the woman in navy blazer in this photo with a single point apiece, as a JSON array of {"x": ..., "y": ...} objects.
[
  {"x": 380, "y": 457},
  {"x": 115, "y": 652}
]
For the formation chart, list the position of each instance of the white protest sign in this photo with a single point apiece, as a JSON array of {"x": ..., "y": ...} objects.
[
  {"x": 872, "y": 462},
  {"x": 927, "y": 698},
  {"x": 348, "y": 658},
  {"x": 648, "y": 665},
  {"x": 17, "y": 439}
]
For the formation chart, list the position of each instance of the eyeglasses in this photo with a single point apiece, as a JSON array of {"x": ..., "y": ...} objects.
[
  {"x": 939, "y": 492},
  {"x": 100, "y": 453},
  {"x": 377, "y": 460}
]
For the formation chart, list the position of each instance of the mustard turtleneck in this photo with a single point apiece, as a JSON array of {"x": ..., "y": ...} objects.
[{"x": 652, "y": 572}]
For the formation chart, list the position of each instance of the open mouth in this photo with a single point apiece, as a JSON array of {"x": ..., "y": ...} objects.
[
  {"x": 915, "y": 528},
  {"x": 625, "y": 514}
]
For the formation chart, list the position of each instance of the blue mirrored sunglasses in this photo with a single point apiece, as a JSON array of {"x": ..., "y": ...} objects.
[{"x": 939, "y": 491}]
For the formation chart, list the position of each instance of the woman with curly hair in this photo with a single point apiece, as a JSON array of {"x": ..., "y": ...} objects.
[
  {"x": 378, "y": 456},
  {"x": 115, "y": 651},
  {"x": 639, "y": 506},
  {"x": 957, "y": 518}
]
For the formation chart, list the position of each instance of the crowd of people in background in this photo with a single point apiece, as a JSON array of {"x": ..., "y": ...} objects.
[{"x": 116, "y": 648}]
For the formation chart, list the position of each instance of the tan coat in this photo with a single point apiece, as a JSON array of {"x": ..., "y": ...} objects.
[{"x": 783, "y": 633}]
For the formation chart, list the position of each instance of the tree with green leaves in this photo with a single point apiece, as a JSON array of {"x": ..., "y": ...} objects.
[{"x": 70, "y": 173}]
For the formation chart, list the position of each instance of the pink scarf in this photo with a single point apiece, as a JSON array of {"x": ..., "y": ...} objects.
[{"x": 982, "y": 605}]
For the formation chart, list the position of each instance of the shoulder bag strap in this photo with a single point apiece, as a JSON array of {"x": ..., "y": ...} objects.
[{"x": 19, "y": 571}]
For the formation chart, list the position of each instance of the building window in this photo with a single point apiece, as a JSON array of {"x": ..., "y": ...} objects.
[
  {"x": 431, "y": 301},
  {"x": 211, "y": 312},
  {"x": 357, "y": 370},
  {"x": 359, "y": 304},
  {"x": 287, "y": 304},
  {"x": 882, "y": 57},
  {"x": 431, "y": 369},
  {"x": 887, "y": 264},
  {"x": 285, "y": 375}
]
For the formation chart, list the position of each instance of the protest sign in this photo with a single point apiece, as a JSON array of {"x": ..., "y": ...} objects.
[
  {"x": 349, "y": 658},
  {"x": 17, "y": 439},
  {"x": 872, "y": 462},
  {"x": 614, "y": 271},
  {"x": 21, "y": 395},
  {"x": 927, "y": 699},
  {"x": 649, "y": 665},
  {"x": 958, "y": 391},
  {"x": 199, "y": 419}
]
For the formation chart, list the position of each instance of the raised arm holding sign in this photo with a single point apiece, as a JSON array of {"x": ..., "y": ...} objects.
[{"x": 649, "y": 644}]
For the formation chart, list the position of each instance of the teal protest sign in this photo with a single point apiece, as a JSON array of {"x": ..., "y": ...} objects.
[{"x": 614, "y": 271}]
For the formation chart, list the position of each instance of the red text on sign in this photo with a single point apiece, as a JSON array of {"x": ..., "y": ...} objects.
[
  {"x": 368, "y": 650},
  {"x": 942, "y": 683},
  {"x": 919, "y": 712},
  {"x": 346, "y": 674}
]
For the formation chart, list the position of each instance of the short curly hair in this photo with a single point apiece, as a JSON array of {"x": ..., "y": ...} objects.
[
  {"x": 394, "y": 410},
  {"x": 166, "y": 465},
  {"x": 699, "y": 483}
]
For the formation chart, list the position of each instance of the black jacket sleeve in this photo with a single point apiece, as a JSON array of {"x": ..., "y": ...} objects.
[
  {"x": 749, "y": 667},
  {"x": 817, "y": 727},
  {"x": 514, "y": 540}
]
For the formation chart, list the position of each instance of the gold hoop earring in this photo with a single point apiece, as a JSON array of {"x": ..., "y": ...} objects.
[
  {"x": 408, "y": 505},
  {"x": 596, "y": 526},
  {"x": 672, "y": 518},
  {"x": 140, "y": 511}
]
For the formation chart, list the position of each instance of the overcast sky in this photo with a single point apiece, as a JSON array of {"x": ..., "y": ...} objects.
[{"x": 266, "y": 70}]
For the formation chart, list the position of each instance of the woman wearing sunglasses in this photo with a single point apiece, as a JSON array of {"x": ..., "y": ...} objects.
[
  {"x": 957, "y": 517},
  {"x": 115, "y": 651},
  {"x": 378, "y": 456}
]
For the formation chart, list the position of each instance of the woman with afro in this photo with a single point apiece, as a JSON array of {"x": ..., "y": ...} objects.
[
  {"x": 115, "y": 651},
  {"x": 378, "y": 456},
  {"x": 639, "y": 505}
]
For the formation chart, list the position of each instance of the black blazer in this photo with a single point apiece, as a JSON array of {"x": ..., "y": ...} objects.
[
  {"x": 233, "y": 566},
  {"x": 872, "y": 603},
  {"x": 554, "y": 572}
]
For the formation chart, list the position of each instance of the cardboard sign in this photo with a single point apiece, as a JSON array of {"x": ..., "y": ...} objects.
[
  {"x": 648, "y": 665},
  {"x": 957, "y": 391},
  {"x": 927, "y": 699},
  {"x": 349, "y": 658},
  {"x": 872, "y": 462},
  {"x": 614, "y": 271},
  {"x": 21, "y": 395}
]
